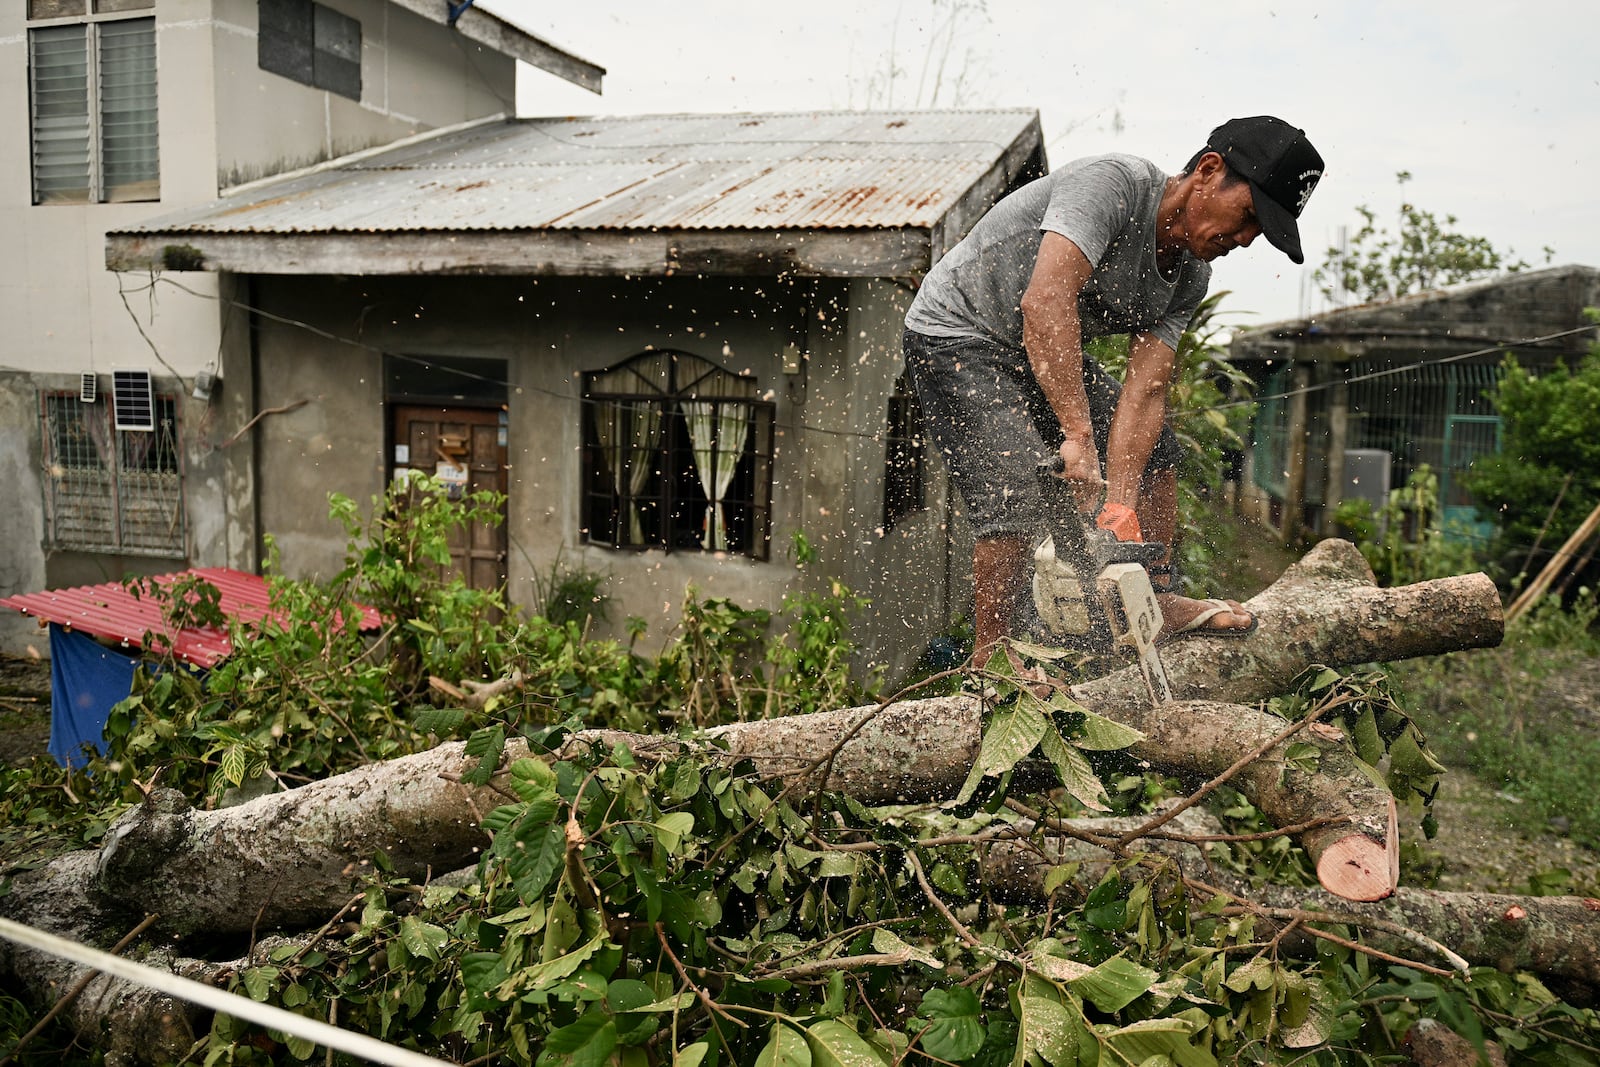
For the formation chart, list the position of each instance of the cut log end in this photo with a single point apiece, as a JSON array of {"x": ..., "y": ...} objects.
[{"x": 1357, "y": 868}]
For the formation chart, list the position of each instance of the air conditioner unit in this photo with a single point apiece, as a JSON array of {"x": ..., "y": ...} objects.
[
  {"x": 1366, "y": 475},
  {"x": 88, "y": 387},
  {"x": 133, "y": 400}
]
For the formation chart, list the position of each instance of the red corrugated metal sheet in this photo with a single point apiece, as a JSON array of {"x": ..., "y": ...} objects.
[{"x": 109, "y": 611}]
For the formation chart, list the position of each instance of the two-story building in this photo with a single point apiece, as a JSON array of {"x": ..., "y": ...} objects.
[{"x": 121, "y": 110}]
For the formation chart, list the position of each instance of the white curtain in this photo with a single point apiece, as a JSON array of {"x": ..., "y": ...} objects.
[
  {"x": 716, "y": 434},
  {"x": 629, "y": 432},
  {"x": 644, "y": 431},
  {"x": 607, "y": 415}
]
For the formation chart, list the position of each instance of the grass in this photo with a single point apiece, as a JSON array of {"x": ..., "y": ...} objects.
[{"x": 1524, "y": 716}]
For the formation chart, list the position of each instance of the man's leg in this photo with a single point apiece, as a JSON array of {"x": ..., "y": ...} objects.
[
  {"x": 1158, "y": 518},
  {"x": 999, "y": 571}
]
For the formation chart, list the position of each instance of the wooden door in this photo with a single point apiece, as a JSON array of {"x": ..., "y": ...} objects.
[{"x": 475, "y": 438}]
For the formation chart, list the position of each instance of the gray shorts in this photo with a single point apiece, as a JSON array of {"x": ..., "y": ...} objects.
[{"x": 984, "y": 409}]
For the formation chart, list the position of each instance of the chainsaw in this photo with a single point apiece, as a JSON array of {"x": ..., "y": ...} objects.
[{"x": 1091, "y": 590}]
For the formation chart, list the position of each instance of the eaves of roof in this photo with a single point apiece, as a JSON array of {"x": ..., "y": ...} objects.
[
  {"x": 879, "y": 194},
  {"x": 477, "y": 23}
]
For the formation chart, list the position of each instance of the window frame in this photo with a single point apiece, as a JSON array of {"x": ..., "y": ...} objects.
[
  {"x": 316, "y": 46},
  {"x": 96, "y": 190},
  {"x": 905, "y": 457},
  {"x": 598, "y": 495},
  {"x": 75, "y": 470}
]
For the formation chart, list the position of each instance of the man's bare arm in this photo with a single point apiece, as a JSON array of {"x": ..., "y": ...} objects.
[
  {"x": 1140, "y": 415},
  {"x": 1053, "y": 338}
]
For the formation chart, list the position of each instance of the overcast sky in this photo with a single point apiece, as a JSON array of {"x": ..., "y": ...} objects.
[{"x": 1494, "y": 108}]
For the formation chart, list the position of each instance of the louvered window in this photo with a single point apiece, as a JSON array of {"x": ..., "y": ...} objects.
[
  {"x": 110, "y": 490},
  {"x": 92, "y": 84}
]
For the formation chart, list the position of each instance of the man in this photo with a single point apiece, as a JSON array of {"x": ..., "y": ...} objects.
[{"x": 994, "y": 345}]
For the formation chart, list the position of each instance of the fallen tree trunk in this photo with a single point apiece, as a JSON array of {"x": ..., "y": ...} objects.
[
  {"x": 1557, "y": 936},
  {"x": 291, "y": 859},
  {"x": 287, "y": 859},
  {"x": 1325, "y": 609}
]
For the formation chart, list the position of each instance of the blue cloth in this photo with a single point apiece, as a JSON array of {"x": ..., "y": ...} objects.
[{"x": 86, "y": 680}]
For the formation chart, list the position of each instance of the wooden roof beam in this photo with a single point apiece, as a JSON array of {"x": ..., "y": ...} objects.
[{"x": 863, "y": 253}]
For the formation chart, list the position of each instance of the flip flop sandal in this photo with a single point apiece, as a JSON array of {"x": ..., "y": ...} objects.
[{"x": 1197, "y": 625}]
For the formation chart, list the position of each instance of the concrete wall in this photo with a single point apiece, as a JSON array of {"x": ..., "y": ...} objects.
[
  {"x": 63, "y": 311},
  {"x": 828, "y": 467},
  {"x": 415, "y": 75}
]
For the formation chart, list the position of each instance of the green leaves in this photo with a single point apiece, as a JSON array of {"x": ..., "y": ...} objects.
[
  {"x": 1012, "y": 734},
  {"x": 786, "y": 1048},
  {"x": 487, "y": 744},
  {"x": 954, "y": 1030},
  {"x": 422, "y": 938},
  {"x": 833, "y": 1044},
  {"x": 1022, "y": 723}
]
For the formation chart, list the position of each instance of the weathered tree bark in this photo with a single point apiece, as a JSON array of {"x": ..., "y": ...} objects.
[
  {"x": 287, "y": 859},
  {"x": 124, "y": 1020},
  {"x": 1557, "y": 936},
  {"x": 1325, "y": 609}
]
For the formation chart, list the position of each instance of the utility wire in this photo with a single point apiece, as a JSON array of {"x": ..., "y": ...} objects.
[
  {"x": 1404, "y": 367},
  {"x": 1223, "y": 406},
  {"x": 490, "y": 379}
]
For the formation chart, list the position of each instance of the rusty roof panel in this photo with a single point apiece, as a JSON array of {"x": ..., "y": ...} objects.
[
  {"x": 111, "y": 612},
  {"x": 818, "y": 170}
]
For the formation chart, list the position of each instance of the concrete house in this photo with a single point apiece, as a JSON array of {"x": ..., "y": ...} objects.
[
  {"x": 1354, "y": 400},
  {"x": 111, "y": 442},
  {"x": 672, "y": 341}
]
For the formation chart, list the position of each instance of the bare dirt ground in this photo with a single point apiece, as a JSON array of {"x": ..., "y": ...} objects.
[{"x": 24, "y": 708}]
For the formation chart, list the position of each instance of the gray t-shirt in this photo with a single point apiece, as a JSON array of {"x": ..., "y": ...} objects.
[{"x": 1106, "y": 205}]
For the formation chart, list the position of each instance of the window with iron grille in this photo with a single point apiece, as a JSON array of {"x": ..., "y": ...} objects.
[
  {"x": 677, "y": 455},
  {"x": 311, "y": 44},
  {"x": 904, "y": 473},
  {"x": 109, "y": 490},
  {"x": 92, "y": 95}
]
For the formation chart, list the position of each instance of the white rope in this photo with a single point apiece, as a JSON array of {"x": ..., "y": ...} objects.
[{"x": 367, "y": 1048}]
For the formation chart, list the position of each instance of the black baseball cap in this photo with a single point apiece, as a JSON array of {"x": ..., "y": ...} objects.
[{"x": 1282, "y": 169}]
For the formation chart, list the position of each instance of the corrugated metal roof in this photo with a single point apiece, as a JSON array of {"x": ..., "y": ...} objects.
[
  {"x": 109, "y": 611},
  {"x": 815, "y": 170}
]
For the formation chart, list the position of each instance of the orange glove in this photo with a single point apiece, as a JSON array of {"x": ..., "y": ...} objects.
[{"x": 1121, "y": 521}]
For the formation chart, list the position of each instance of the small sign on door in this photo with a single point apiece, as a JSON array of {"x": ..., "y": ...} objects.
[{"x": 452, "y": 477}]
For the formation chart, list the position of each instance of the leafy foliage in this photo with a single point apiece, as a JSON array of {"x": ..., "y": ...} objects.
[
  {"x": 681, "y": 910},
  {"x": 1546, "y": 478},
  {"x": 1424, "y": 252},
  {"x": 1405, "y": 541}
]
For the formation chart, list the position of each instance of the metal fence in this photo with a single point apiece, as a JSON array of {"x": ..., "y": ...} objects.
[{"x": 1428, "y": 413}]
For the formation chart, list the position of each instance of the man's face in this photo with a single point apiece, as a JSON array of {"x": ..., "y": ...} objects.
[{"x": 1221, "y": 216}]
